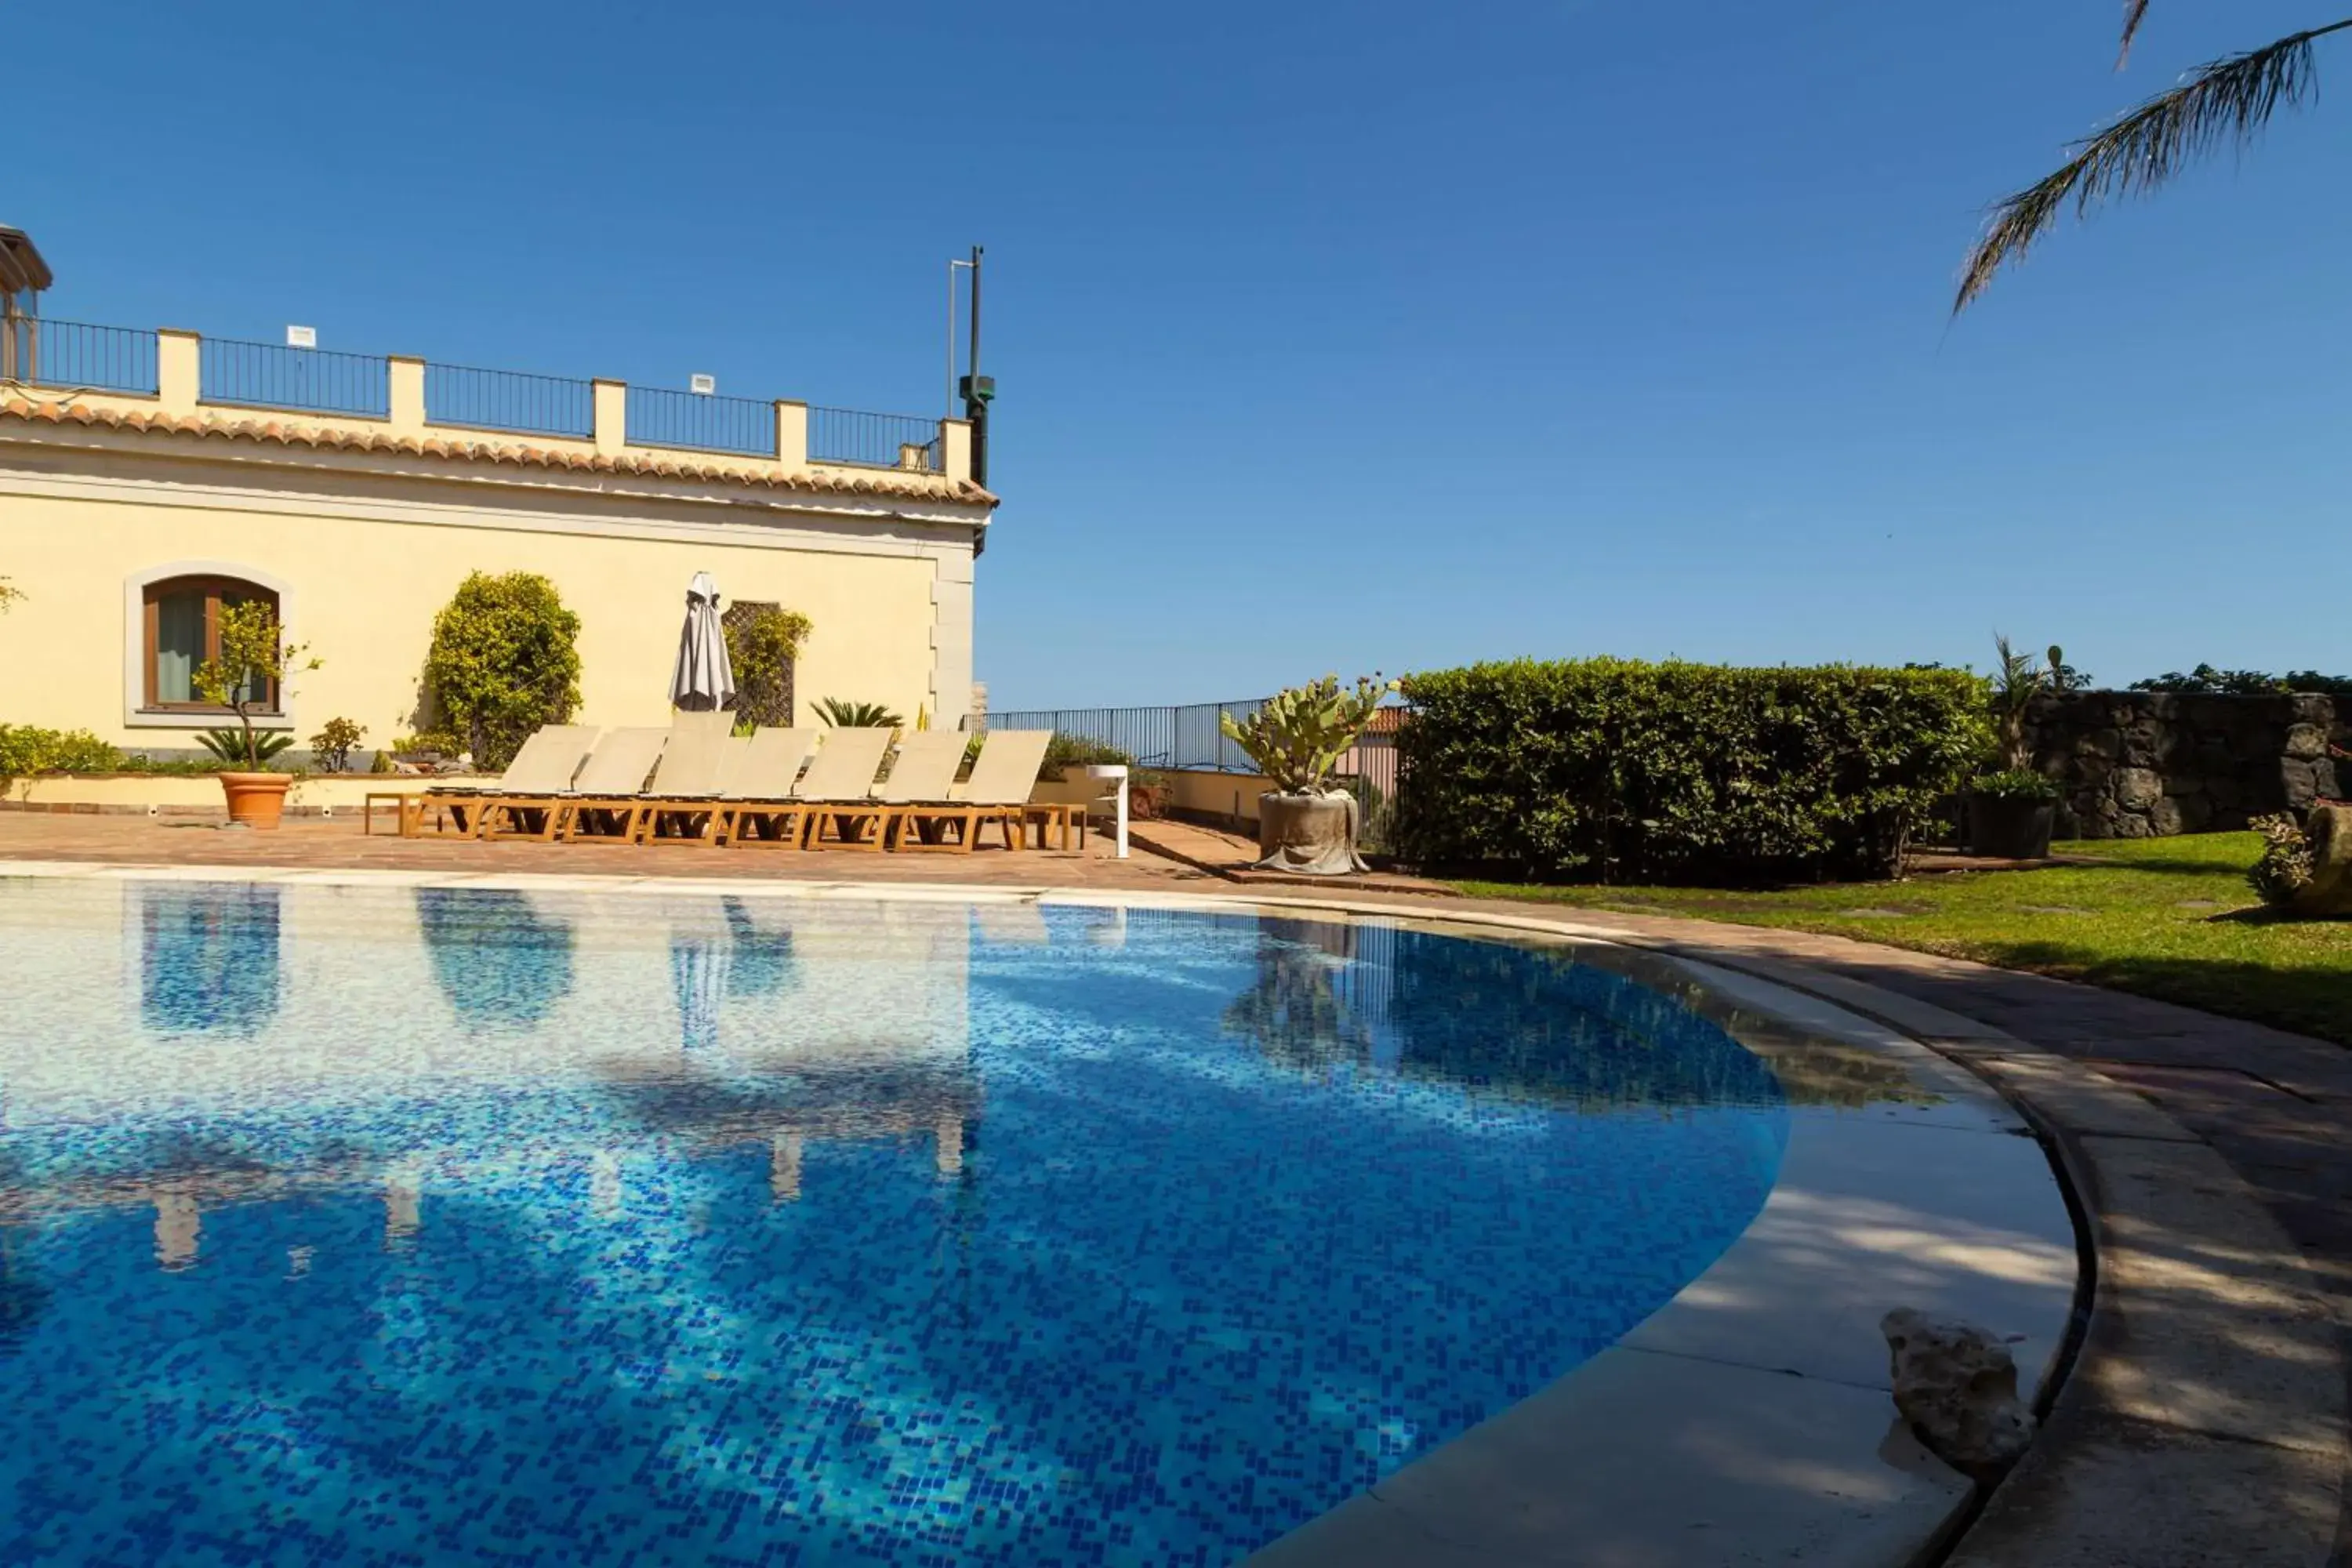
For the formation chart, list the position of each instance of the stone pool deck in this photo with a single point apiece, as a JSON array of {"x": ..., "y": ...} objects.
[{"x": 2205, "y": 1419}]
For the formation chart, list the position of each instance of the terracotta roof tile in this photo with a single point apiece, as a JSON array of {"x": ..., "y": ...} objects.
[{"x": 657, "y": 465}]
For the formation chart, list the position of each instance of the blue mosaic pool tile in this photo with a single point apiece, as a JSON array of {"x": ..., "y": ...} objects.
[{"x": 344, "y": 1225}]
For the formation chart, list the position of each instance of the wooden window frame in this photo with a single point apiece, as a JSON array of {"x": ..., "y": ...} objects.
[{"x": 214, "y": 588}]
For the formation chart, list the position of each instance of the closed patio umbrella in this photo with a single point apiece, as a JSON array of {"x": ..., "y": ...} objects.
[{"x": 703, "y": 680}]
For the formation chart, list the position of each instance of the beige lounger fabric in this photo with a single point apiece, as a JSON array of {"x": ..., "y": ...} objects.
[
  {"x": 1002, "y": 779},
  {"x": 839, "y": 789},
  {"x": 773, "y": 802},
  {"x": 609, "y": 796},
  {"x": 525, "y": 801},
  {"x": 681, "y": 804}
]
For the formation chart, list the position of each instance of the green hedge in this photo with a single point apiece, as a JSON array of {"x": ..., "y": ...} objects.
[
  {"x": 29, "y": 749},
  {"x": 1610, "y": 771}
]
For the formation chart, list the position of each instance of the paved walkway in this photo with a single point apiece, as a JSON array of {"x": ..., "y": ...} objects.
[{"x": 2206, "y": 1421}]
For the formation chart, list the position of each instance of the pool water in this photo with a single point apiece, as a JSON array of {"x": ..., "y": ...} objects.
[{"x": 377, "y": 1225}]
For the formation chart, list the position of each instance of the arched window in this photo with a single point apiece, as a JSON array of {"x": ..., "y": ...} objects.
[{"x": 182, "y": 630}]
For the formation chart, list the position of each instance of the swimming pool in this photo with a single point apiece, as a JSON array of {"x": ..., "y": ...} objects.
[{"x": 439, "y": 1224}]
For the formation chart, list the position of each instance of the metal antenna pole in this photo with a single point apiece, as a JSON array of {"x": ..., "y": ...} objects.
[
  {"x": 975, "y": 403},
  {"x": 953, "y": 267},
  {"x": 973, "y": 366}
]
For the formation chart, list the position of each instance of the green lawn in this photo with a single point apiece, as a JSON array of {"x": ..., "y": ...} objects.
[{"x": 2171, "y": 918}]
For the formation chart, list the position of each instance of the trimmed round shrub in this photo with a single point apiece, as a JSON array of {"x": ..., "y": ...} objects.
[{"x": 504, "y": 661}]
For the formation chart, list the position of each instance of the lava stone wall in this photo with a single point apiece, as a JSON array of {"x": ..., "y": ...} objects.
[{"x": 2143, "y": 765}]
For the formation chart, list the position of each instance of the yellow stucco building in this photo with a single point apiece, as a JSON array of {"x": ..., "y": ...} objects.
[{"x": 146, "y": 476}]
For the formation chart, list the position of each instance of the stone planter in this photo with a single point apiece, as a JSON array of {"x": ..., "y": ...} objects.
[
  {"x": 2329, "y": 830},
  {"x": 256, "y": 800},
  {"x": 2011, "y": 829},
  {"x": 1311, "y": 834}
]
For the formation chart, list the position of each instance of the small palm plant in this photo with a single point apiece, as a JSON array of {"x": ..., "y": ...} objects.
[
  {"x": 253, "y": 659},
  {"x": 1299, "y": 736},
  {"x": 842, "y": 714},
  {"x": 2020, "y": 680},
  {"x": 229, "y": 745}
]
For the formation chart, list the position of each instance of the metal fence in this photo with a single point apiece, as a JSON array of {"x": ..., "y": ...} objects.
[
  {"x": 45, "y": 353},
  {"x": 510, "y": 400},
  {"x": 1190, "y": 738},
  {"x": 271, "y": 375},
  {"x": 1184, "y": 737},
  {"x": 661, "y": 417},
  {"x": 874, "y": 440}
]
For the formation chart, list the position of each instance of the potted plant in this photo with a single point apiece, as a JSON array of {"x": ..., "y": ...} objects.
[
  {"x": 252, "y": 662},
  {"x": 2011, "y": 813},
  {"x": 2012, "y": 809},
  {"x": 1296, "y": 740}
]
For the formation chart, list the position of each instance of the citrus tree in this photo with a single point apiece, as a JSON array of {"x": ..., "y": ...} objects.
[{"x": 254, "y": 658}]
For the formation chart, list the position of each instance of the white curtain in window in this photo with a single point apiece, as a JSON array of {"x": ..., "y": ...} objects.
[{"x": 179, "y": 646}]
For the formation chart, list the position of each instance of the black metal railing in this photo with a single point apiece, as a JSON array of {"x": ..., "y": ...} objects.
[
  {"x": 874, "y": 440},
  {"x": 45, "y": 353},
  {"x": 1187, "y": 736},
  {"x": 270, "y": 376},
  {"x": 659, "y": 416},
  {"x": 509, "y": 400}
]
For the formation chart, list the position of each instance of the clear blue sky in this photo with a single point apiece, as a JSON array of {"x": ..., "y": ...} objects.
[{"x": 1327, "y": 337}]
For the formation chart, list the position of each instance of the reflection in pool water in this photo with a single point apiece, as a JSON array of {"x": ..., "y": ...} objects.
[
  {"x": 208, "y": 957},
  {"x": 500, "y": 960},
  {"x": 636, "y": 1228}
]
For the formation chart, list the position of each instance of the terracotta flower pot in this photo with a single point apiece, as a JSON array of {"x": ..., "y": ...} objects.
[{"x": 256, "y": 800}]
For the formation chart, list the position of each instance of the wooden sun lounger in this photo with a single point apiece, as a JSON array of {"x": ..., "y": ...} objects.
[
  {"x": 756, "y": 804},
  {"x": 457, "y": 807},
  {"x": 525, "y": 799},
  {"x": 608, "y": 799},
  {"x": 924, "y": 772},
  {"x": 1001, "y": 780},
  {"x": 682, "y": 802},
  {"x": 837, "y": 791}
]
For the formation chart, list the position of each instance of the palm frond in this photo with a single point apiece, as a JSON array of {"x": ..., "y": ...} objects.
[
  {"x": 2134, "y": 13},
  {"x": 2223, "y": 101},
  {"x": 844, "y": 713}
]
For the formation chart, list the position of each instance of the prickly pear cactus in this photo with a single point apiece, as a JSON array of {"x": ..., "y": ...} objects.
[{"x": 1299, "y": 736}]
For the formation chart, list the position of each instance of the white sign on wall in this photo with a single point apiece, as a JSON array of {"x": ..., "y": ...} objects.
[
  {"x": 703, "y": 385},
  {"x": 301, "y": 337}
]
